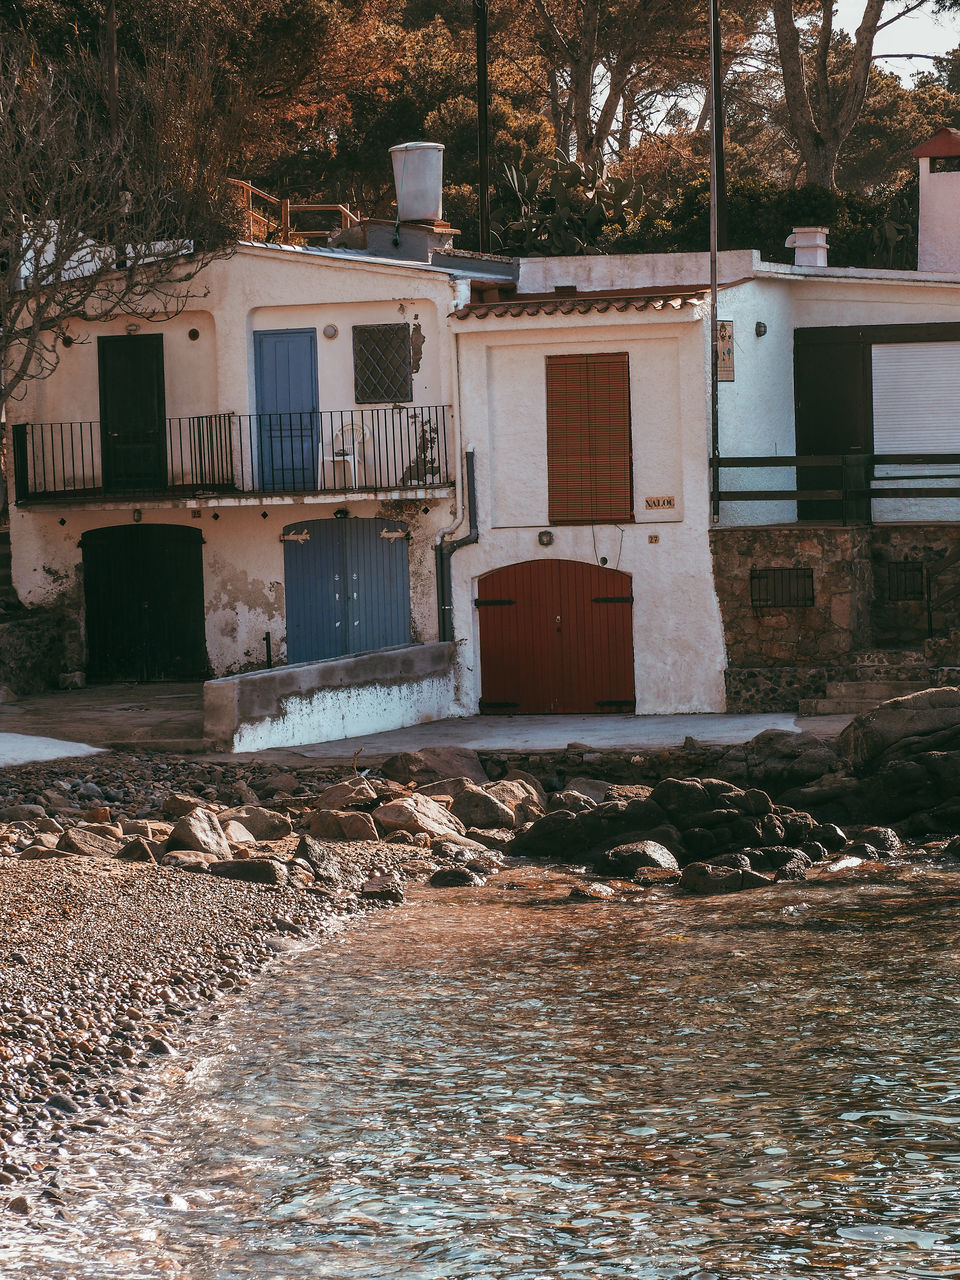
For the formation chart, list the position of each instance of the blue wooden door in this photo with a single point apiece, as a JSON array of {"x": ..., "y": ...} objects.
[
  {"x": 347, "y": 585},
  {"x": 288, "y": 400}
]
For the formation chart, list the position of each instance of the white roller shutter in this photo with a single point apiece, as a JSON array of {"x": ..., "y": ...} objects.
[{"x": 916, "y": 397}]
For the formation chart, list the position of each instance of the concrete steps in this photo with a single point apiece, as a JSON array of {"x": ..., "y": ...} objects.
[{"x": 853, "y": 697}]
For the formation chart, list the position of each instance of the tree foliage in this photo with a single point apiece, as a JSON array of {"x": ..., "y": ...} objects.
[{"x": 101, "y": 218}]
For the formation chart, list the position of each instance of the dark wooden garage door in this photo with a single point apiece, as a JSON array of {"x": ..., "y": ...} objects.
[
  {"x": 143, "y": 598},
  {"x": 556, "y": 637}
]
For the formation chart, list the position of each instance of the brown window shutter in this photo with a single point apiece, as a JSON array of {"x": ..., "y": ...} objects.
[{"x": 589, "y": 463}]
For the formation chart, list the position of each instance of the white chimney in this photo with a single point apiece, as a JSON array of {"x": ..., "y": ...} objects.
[
  {"x": 938, "y": 235},
  {"x": 418, "y": 175},
  {"x": 810, "y": 246}
]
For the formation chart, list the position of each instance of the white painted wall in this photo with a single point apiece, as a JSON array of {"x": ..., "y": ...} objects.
[
  {"x": 939, "y": 229},
  {"x": 678, "y": 637}
]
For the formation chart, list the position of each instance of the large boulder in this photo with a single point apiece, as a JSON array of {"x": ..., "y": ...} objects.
[
  {"x": 777, "y": 759},
  {"x": 263, "y": 824},
  {"x": 416, "y": 814},
  {"x": 89, "y": 843},
  {"x": 903, "y": 727},
  {"x": 342, "y": 824},
  {"x": 476, "y": 807},
  {"x": 326, "y": 864},
  {"x": 199, "y": 831},
  {"x": 250, "y": 870},
  {"x": 431, "y": 764},
  {"x": 351, "y": 794}
]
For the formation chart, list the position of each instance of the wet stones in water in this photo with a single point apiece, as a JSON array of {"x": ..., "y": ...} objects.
[
  {"x": 702, "y": 878},
  {"x": 455, "y": 877},
  {"x": 381, "y": 889},
  {"x": 591, "y": 893},
  {"x": 624, "y": 860}
]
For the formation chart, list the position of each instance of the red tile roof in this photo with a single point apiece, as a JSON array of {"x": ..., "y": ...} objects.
[
  {"x": 551, "y": 304},
  {"x": 946, "y": 142}
]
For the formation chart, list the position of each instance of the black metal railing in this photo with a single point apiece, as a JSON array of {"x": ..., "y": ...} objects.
[
  {"x": 844, "y": 488},
  {"x": 338, "y": 451}
]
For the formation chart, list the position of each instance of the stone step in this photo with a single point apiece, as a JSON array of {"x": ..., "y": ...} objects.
[
  {"x": 836, "y": 706},
  {"x": 877, "y": 690}
]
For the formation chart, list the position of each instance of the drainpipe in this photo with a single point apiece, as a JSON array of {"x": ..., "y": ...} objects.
[{"x": 444, "y": 553}]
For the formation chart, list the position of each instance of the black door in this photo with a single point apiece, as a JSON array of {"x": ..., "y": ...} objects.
[
  {"x": 132, "y": 413},
  {"x": 143, "y": 593},
  {"x": 832, "y": 393}
]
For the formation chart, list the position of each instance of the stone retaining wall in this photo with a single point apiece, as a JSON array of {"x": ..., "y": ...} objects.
[{"x": 778, "y": 655}]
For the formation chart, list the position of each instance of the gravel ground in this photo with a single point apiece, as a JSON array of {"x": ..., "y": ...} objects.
[{"x": 103, "y": 963}]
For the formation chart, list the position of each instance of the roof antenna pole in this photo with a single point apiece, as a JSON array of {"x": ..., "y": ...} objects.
[
  {"x": 483, "y": 122},
  {"x": 716, "y": 125}
]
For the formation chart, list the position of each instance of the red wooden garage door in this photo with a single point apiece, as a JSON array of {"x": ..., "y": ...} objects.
[{"x": 556, "y": 637}]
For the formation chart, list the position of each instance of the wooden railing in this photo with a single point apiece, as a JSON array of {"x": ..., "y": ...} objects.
[
  {"x": 272, "y": 219},
  {"x": 844, "y": 487}
]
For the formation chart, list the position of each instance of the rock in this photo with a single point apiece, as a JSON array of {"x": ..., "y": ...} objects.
[
  {"x": 594, "y": 789},
  {"x": 703, "y": 878},
  {"x": 325, "y": 864},
  {"x": 750, "y": 879},
  {"x": 499, "y": 840},
  {"x": 520, "y": 797},
  {"x": 777, "y": 856},
  {"x": 176, "y": 804},
  {"x": 40, "y": 852},
  {"x": 883, "y": 839},
  {"x": 22, "y": 812},
  {"x": 829, "y": 835},
  {"x": 200, "y": 831},
  {"x": 19, "y": 1204},
  {"x": 343, "y": 824},
  {"x": 677, "y": 796},
  {"x": 478, "y": 808},
  {"x": 251, "y": 870},
  {"x": 82, "y": 841},
  {"x": 416, "y": 814},
  {"x": 445, "y": 790},
  {"x": 431, "y": 764},
  {"x": 456, "y": 846},
  {"x": 150, "y": 830},
  {"x": 236, "y": 834},
  {"x": 735, "y": 861},
  {"x": 521, "y": 775},
  {"x": 777, "y": 759},
  {"x": 899, "y": 725},
  {"x": 591, "y": 893},
  {"x": 381, "y": 889},
  {"x": 626, "y": 859},
  {"x": 346, "y": 795},
  {"x": 648, "y": 877},
  {"x": 862, "y": 850},
  {"x": 140, "y": 849},
  {"x": 287, "y": 783},
  {"x": 263, "y": 824},
  {"x": 570, "y": 802},
  {"x": 188, "y": 861},
  {"x": 454, "y": 877},
  {"x": 795, "y": 869}
]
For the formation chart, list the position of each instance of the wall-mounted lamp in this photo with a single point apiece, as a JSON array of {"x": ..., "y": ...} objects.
[
  {"x": 132, "y": 328},
  {"x": 341, "y": 513},
  {"x": 330, "y": 331},
  {"x": 137, "y": 515},
  {"x": 760, "y": 329},
  {"x": 545, "y": 538},
  {"x": 193, "y": 334}
]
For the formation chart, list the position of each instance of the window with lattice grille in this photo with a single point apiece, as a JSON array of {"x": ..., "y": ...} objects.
[
  {"x": 589, "y": 458},
  {"x": 382, "y": 364}
]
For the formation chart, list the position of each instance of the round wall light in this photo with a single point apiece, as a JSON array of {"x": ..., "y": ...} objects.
[{"x": 330, "y": 331}]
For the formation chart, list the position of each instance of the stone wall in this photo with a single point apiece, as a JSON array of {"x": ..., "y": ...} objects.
[
  {"x": 778, "y": 655},
  {"x": 34, "y": 650}
]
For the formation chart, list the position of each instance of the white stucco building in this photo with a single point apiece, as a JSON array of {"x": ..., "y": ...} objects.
[{"x": 364, "y": 487}]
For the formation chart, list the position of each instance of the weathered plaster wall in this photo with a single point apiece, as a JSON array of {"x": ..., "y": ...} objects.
[
  {"x": 242, "y": 565},
  {"x": 678, "y": 639},
  {"x": 324, "y": 701}
]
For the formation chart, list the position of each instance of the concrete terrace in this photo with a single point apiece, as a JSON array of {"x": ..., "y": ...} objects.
[{"x": 169, "y": 717}]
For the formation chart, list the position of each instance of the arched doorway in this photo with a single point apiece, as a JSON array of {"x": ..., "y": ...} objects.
[
  {"x": 347, "y": 587},
  {"x": 143, "y": 598},
  {"x": 556, "y": 637}
]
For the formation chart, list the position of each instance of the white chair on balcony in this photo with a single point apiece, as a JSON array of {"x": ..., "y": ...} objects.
[{"x": 347, "y": 450}]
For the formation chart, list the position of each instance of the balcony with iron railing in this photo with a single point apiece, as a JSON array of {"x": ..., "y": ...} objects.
[{"x": 401, "y": 450}]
